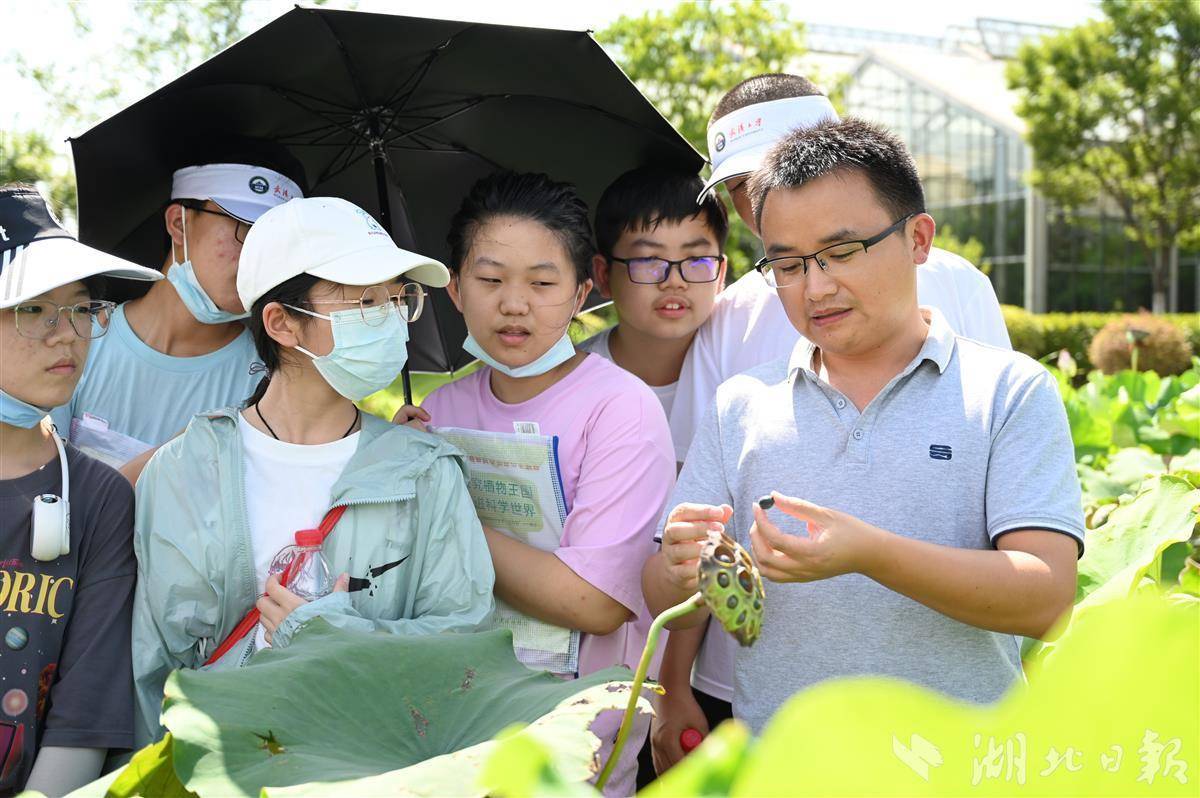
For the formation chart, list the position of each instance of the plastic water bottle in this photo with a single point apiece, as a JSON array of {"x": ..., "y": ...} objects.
[{"x": 309, "y": 573}]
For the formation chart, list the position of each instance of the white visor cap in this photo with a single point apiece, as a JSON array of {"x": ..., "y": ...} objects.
[
  {"x": 329, "y": 238},
  {"x": 738, "y": 142},
  {"x": 244, "y": 192}
]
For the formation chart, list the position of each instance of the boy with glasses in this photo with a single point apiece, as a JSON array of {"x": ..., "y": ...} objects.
[
  {"x": 182, "y": 348},
  {"x": 661, "y": 260},
  {"x": 662, "y": 263}
]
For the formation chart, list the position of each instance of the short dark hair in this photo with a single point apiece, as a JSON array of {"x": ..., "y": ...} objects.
[
  {"x": 762, "y": 89},
  {"x": 525, "y": 195},
  {"x": 644, "y": 198},
  {"x": 846, "y": 146}
]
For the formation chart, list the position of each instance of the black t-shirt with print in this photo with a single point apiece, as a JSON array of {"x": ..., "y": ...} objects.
[{"x": 65, "y": 672}]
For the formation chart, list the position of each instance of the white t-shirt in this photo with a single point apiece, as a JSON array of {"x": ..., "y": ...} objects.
[
  {"x": 748, "y": 327},
  {"x": 288, "y": 487},
  {"x": 598, "y": 345}
]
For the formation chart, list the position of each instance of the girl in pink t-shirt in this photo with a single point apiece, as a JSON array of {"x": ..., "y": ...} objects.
[{"x": 520, "y": 249}]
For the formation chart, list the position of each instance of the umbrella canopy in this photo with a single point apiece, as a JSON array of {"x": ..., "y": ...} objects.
[{"x": 400, "y": 115}]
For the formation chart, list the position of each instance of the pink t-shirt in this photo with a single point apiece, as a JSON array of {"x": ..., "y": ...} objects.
[{"x": 618, "y": 468}]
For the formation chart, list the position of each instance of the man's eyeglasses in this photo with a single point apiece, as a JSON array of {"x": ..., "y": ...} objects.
[
  {"x": 789, "y": 270},
  {"x": 651, "y": 271},
  {"x": 38, "y": 319},
  {"x": 239, "y": 232},
  {"x": 408, "y": 302}
]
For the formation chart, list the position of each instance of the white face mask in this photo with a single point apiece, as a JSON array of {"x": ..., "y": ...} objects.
[
  {"x": 198, "y": 303},
  {"x": 365, "y": 357},
  {"x": 562, "y": 351}
]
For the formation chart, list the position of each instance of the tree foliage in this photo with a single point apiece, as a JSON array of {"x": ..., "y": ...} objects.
[
  {"x": 1113, "y": 108},
  {"x": 684, "y": 59},
  {"x": 167, "y": 38},
  {"x": 30, "y": 157}
]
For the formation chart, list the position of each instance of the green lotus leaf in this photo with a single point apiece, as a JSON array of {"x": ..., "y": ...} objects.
[
  {"x": 556, "y": 754},
  {"x": 337, "y": 706},
  {"x": 1164, "y": 512},
  {"x": 1113, "y": 713},
  {"x": 1189, "y": 577}
]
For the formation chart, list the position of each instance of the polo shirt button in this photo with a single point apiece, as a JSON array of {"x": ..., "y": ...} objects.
[
  {"x": 841, "y": 403},
  {"x": 858, "y": 435}
]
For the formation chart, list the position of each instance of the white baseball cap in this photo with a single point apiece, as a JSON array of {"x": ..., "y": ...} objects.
[
  {"x": 738, "y": 141},
  {"x": 37, "y": 254},
  {"x": 328, "y": 238},
  {"x": 243, "y": 191}
]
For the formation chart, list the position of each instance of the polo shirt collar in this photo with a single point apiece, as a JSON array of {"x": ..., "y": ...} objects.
[
  {"x": 939, "y": 344},
  {"x": 937, "y": 349}
]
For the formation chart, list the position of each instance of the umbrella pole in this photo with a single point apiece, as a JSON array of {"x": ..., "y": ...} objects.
[{"x": 385, "y": 218}]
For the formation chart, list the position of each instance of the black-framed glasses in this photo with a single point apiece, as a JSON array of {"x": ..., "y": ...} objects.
[
  {"x": 409, "y": 301},
  {"x": 788, "y": 270},
  {"x": 239, "y": 232},
  {"x": 651, "y": 271},
  {"x": 38, "y": 319}
]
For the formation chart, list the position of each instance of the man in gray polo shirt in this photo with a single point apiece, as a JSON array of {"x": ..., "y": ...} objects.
[{"x": 926, "y": 505}]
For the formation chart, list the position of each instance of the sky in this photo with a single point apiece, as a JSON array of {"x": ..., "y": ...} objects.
[{"x": 41, "y": 31}]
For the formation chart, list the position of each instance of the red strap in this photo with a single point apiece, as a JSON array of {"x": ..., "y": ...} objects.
[{"x": 250, "y": 620}]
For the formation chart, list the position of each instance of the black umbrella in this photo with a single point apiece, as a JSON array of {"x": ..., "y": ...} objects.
[{"x": 400, "y": 115}]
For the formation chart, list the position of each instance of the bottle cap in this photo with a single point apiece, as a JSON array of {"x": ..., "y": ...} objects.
[
  {"x": 308, "y": 537},
  {"x": 690, "y": 739}
]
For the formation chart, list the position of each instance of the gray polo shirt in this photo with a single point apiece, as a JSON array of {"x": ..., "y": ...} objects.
[{"x": 966, "y": 443}]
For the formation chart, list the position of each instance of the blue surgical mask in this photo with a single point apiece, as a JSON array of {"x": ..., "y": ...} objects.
[
  {"x": 20, "y": 414},
  {"x": 365, "y": 357},
  {"x": 198, "y": 303},
  {"x": 562, "y": 351}
]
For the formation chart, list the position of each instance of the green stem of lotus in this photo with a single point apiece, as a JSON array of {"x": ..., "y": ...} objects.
[{"x": 639, "y": 678}]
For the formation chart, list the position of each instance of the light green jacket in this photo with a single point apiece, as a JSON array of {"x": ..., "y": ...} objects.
[{"x": 407, "y": 499}]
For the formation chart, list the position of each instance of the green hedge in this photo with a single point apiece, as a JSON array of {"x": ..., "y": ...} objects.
[{"x": 1038, "y": 335}]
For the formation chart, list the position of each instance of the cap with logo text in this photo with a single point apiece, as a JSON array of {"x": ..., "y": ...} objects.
[
  {"x": 243, "y": 191},
  {"x": 738, "y": 141},
  {"x": 329, "y": 238}
]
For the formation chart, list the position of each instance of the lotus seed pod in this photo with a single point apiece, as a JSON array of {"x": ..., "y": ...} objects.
[{"x": 731, "y": 587}]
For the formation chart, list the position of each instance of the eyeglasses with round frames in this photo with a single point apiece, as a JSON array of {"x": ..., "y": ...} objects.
[
  {"x": 409, "y": 302},
  {"x": 785, "y": 271},
  {"x": 38, "y": 319},
  {"x": 652, "y": 271}
]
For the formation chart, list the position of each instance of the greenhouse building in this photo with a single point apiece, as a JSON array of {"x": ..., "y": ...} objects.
[{"x": 948, "y": 99}]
